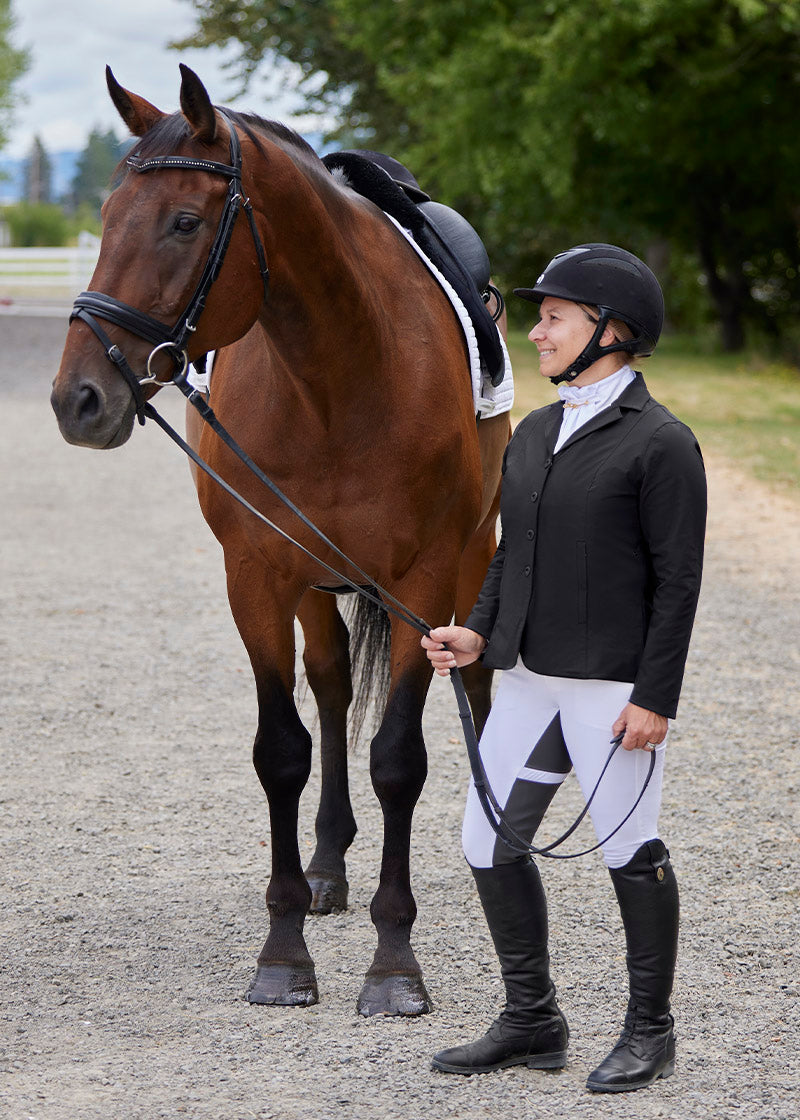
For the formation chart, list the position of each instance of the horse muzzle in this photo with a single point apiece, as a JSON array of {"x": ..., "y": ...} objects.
[{"x": 91, "y": 413}]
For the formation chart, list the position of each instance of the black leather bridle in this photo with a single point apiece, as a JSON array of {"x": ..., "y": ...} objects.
[{"x": 91, "y": 306}]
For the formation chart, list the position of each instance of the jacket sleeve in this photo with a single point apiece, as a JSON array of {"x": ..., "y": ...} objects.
[
  {"x": 672, "y": 513},
  {"x": 483, "y": 615}
]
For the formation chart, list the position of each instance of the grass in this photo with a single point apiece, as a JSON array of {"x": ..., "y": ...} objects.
[{"x": 740, "y": 406}]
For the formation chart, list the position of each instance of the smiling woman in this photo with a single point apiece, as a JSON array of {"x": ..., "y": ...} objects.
[
  {"x": 588, "y": 605},
  {"x": 563, "y": 332}
]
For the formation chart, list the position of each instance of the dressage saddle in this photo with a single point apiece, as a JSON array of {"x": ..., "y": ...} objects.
[{"x": 442, "y": 233}]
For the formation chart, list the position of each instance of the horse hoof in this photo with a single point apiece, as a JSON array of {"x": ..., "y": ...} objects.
[
  {"x": 284, "y": 985},
  {"x": 328, "y": 893},
  {"x": 398, "y": 994}
]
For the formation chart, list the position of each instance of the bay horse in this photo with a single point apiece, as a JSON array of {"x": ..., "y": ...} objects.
[{"x": 345, "y": 380}]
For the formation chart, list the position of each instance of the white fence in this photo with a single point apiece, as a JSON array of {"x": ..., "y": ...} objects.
[{"x": 55, "y": 272}]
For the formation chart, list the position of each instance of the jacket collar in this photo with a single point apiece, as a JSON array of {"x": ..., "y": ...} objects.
[{"x": 633, "y": 398}]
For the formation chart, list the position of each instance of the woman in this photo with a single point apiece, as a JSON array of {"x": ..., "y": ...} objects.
[{"x": 588, "y": 605}]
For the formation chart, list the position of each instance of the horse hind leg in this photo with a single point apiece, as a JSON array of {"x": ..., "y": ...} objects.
[{"x": 327, "y": 663}]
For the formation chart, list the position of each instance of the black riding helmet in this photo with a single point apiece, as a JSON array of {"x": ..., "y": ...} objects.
[{"x": 618, "y": 284}]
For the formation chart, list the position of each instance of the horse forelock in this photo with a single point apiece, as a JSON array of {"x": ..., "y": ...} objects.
[
  {"x": 165, "y": 137},
  {"x": 162, "y": 139}
]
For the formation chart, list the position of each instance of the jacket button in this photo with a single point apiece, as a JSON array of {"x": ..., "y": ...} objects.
[
  {"x": 548, "y": 464},
  {"x": 529, "y": 534},
  {"x": 526, "y": 571},
  {"x": 534, "y": 495}
]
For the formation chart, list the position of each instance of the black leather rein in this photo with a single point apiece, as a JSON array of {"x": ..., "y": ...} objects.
[
  {"x": 91, "y": 306},
  {"x": 372, "y": 590}
]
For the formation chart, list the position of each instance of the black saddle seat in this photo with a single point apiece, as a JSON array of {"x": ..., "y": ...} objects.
[
  {"x": 459, "y": 238},
  {"x": 443, "y": 234}
]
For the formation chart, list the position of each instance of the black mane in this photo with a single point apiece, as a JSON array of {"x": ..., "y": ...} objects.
[{"x": 252, "y": 125}]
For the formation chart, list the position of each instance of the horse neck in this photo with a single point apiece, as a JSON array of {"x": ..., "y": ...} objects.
[{"x": 325, "y": 300}]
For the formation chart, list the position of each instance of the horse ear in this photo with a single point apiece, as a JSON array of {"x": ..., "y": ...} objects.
[
  {"x": 139, "y": 115},
  {"x": 197, "y": 107}
]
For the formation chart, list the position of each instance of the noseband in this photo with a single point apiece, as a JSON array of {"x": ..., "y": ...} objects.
[{"x": 91, "y": 306}]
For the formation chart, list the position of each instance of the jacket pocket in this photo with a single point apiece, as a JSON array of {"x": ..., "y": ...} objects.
[{"x": 582, "y": 565}]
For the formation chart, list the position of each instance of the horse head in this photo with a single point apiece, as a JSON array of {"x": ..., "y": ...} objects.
[{"x": 170, "y": 227}]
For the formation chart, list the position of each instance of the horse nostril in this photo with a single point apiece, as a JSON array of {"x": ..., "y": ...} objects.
[{"x": 89, "y": 404}]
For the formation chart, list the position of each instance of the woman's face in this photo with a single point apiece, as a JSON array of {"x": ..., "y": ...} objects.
[{"x": 560, "y": 335}]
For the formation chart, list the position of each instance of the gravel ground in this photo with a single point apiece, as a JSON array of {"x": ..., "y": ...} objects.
[{"x": 134, "y": 831}]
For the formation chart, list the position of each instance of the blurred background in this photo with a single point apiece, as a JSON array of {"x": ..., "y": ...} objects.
[{"x": 666, "y": 126}]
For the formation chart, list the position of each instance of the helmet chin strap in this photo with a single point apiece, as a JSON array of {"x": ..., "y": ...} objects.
[{"x": 592, "y": 351}]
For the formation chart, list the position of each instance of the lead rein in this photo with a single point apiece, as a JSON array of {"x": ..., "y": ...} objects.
[{"x": 387, "y": 602}]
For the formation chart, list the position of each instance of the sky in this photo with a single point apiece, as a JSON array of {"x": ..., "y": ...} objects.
[{"x": 64, "y": 95}]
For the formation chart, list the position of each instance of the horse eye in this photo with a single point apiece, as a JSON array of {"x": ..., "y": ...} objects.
[{"x": 186, "y": 223}]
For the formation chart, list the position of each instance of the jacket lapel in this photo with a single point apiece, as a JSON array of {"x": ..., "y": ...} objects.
[
  {"x": 551, "y": 427},
  {"x": 635, "y": 396}
]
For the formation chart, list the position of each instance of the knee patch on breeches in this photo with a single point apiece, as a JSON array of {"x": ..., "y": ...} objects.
[{"x": 545, "y": 769}]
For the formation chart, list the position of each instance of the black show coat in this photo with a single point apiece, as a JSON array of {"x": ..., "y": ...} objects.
[{"x": 598, "y": 569}]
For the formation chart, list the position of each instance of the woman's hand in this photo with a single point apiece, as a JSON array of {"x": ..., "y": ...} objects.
[
  {"x": 643, "y": 730},
  {"x": 464, "y": 647}
]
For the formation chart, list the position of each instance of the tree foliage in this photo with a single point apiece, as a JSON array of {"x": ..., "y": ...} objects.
[
  {"x": 653, "y": 123},
  {"x": 13, "y": 64},
  {"x": 41, "y": 224},
  {"x": 94, "y": 170}
]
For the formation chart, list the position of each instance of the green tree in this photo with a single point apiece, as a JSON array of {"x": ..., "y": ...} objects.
[
  {"x": 38, "y": 173},
  {"x": 36, "y": 224},
  {"x": 315, "y": 35},
  {"x": 649, "y": 122},
  {"x": 95, "y": 168},
  {"x": 13, "y": 64}
]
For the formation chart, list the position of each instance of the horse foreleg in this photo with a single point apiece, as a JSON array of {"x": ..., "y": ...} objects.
[
  {"x": 264, "y": 615},
  {"x": 398, "y": 767},
  {"x": 327, "y": 662}
]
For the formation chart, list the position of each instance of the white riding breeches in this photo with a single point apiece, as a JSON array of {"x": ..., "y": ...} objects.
[{"x": 538, "y": 729}]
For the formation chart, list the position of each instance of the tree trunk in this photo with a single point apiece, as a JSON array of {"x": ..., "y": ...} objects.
[
  {"x": 729, "y": 293},
  {"x": 657, "y": 257}
]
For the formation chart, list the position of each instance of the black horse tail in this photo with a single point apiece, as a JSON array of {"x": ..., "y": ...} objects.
[{"x": 370, "y": 635}]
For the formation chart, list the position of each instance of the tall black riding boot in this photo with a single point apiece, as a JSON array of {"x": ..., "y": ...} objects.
[
  {"x": 531, "y": 1029},
  {"x": 648, "y": 900}
]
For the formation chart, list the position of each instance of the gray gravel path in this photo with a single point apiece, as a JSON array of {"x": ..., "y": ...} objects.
[{"x": 134, "y": 831}]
